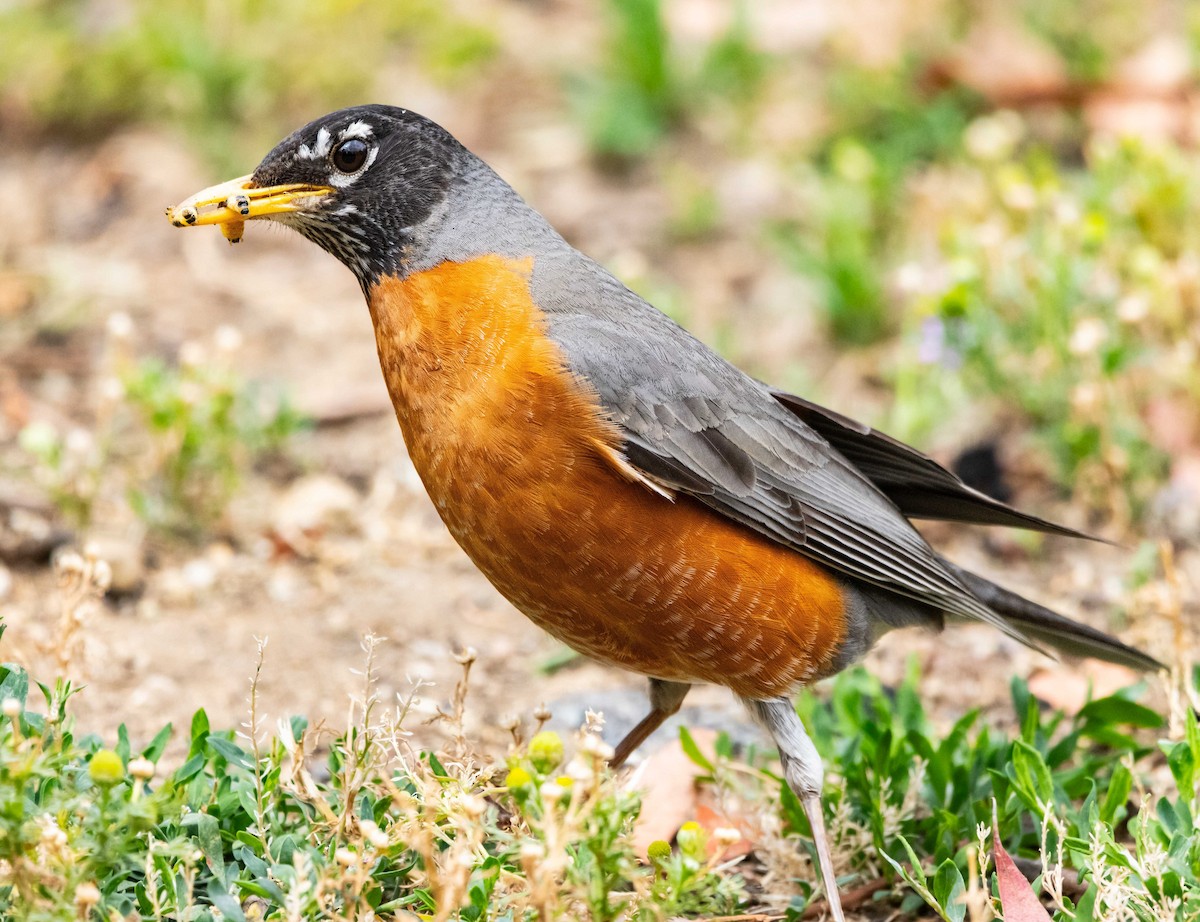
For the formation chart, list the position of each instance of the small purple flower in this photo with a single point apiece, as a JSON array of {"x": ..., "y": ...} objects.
[{"x": 933, "y": 348}]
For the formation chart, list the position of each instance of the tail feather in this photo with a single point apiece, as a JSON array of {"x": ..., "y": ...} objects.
[{"x": 1043, "y": 626}]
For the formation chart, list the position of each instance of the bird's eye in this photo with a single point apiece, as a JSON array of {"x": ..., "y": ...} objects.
[{"x": 349, "y": 156}]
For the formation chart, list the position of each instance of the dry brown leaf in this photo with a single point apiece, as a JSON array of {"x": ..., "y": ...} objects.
[
  {"x": 1009, "y": 65},
  {"x": 1067, "y": 687},
  {"x": 669, "y": 796},
  {"x": 1120, "y": 114},
  {"x": 711, "y": 817}
]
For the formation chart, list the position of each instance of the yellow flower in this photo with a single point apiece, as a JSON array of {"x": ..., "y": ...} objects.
[
  {"x": 546, "y": 751},
  {"x": 106, "y": 768}
]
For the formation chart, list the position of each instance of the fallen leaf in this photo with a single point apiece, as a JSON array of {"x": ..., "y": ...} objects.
[
  {"x": 1017, "y": 899},
  {"x": 711, "y": 818},
  {"x": 1162, "y": 66},
  {"x": 668, "y": 784},
  {"x": 1009, "y": 65},
  {"x": 1069, "y": 688}
]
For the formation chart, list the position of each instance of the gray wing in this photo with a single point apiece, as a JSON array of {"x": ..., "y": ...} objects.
[
  {"x": 697, "y": 424},
  {"x": 917, "y": 484}
]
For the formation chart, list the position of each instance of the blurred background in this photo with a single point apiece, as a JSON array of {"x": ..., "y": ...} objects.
[{"x": 971, "y": 224}]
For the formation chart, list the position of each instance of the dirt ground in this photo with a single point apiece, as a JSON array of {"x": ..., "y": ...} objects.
[{"x": 377, "y": 560}]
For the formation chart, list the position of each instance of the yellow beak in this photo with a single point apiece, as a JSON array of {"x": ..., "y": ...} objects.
[{"x": 231, "y": 204}]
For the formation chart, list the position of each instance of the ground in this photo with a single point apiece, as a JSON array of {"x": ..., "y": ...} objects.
[{"x": 366, "y": 552}]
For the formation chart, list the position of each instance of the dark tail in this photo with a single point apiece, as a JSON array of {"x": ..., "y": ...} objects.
[{"x": 1045, "y": 627}]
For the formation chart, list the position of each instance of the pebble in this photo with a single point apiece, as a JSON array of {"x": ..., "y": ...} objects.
[
  {"x": 125, "y": 555},
  {"x": 313, "y": 506}
]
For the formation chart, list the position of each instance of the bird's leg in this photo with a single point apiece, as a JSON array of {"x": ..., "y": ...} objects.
[
  {"x": 665, "y": 700},
  {"x": 805, "y": 775}
]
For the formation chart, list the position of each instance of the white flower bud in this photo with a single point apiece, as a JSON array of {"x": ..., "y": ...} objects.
[
  {"x": 87, "y": 895},
  {"x": 228, "y": 338},
  {"x": 595, "y": 746},
  {"x": 373, "y": 834},
  {"x": 119, "y": 325},
  {"x": 1087, "y": 336}
]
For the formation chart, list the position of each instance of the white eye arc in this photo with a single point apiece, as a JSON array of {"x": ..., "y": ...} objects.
[
  {"x": 353, "y": 162},
  {"x": 350, "y": 156}
]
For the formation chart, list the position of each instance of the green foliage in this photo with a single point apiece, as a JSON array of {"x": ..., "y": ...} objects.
[
  {"x": 235, "y": 74},
  {"x": 1067, "y": 295},
  {"x": 204, "y": 426},
  {"x": 243, "y": 825},
  {"x": 841, "y": 244},
  {"x": 645, "y": 84},
  {"x": 75, "y": 821},
  {"x": 847, "y": 241},
  {"x": 174, "y": 439},
  {"x": 1059, "y": 791},
  {"x": 244, "y": 821}
]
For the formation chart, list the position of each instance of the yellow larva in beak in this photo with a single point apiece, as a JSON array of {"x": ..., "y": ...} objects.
[{"x": 231, "y": 204}]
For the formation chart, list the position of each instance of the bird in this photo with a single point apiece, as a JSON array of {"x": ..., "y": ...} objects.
[{"x": 629, "y": 490}]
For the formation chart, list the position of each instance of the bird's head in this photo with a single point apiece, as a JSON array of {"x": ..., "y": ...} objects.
[{"x": 362, "y": 183}]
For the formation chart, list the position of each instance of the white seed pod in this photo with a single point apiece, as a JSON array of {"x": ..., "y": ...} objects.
[
  {"x": 87, "y": 895},
  {"x": 373, "y": 834},
  {"x": 119, "y": 325}
]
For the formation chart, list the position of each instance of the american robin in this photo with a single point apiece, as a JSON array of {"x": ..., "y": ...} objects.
[{"x": 624, "y": 486}]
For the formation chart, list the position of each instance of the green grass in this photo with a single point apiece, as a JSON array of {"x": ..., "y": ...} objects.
[
  {"x": 235, "y": 76},
  {"x": 290, "y": 823},
  {"x": 1062, "y": 295},
  {"x": 173, "y": 441},
  {"x": 645, "y": 84}
]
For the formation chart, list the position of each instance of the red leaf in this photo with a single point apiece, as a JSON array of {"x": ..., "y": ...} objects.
[{"x": 1017, "y": 899}]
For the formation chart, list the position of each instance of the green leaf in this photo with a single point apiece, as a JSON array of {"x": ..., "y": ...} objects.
[
  {"x": 1182, "y": 763},
  {"x": 949, "y": 888},
  {"x": 208, "y": 837},
  {"x": 262, "y": 887},
  {"x": 190, "y": 769},
  {"x": 1170, "y": 820},
  {"x": 154, "y": 751},
  {"x": 199, "y": 732},
  {"x": 298, "y": 724},
  {"x": 1118, "y": 793},
  {"x": 231, "y": 909},
  {"x": 1085, "y": 909},
  {"x": 692, "y": 751},
  {"x": 1024, "y": 703},
  {"x": 14, "y": 684},
  {"x": 230, "y": 751},
  {"x": 793, "y": 811},
  {"x": 1032, "y": 775},
  {"x": 724, "y": 746},
  {"x": 1117, "y": 710}
]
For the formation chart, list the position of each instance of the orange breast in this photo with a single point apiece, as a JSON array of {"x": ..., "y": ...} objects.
[{"x": 517, "y": 456}]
